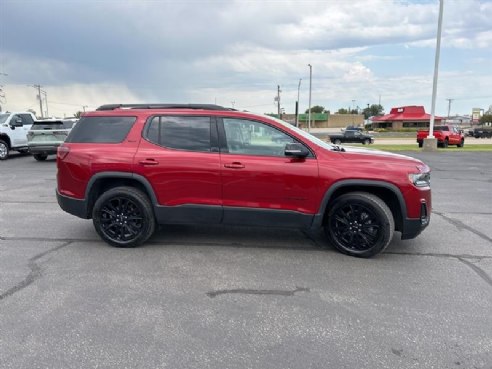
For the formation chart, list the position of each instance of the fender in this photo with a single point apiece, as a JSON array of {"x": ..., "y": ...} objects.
[
  {"x": 318, "y": 218},
  {"x": 124, "y": 175}
]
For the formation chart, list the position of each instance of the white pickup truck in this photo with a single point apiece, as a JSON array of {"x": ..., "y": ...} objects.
[{"x": 13, "y": 132}]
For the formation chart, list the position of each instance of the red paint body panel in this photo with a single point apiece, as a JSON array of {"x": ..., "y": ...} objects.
[{"x": 181, "y": 177}]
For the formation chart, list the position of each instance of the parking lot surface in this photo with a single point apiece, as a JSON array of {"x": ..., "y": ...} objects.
[{"x": 217, "y": 297}]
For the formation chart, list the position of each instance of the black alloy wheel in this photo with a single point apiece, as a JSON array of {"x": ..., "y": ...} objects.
[
  {"x": 360, "y": 224},
  {"x": 123, "y": 217}
]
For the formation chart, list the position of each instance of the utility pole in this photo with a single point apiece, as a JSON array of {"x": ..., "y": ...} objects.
[
  {"x": 310, "y": 88},
  {"x": 278, "y": 100},
  {"x": 449, "y": 106},
  {"x": 40, "y": 99},
  {"x": 233, "y": 103}
]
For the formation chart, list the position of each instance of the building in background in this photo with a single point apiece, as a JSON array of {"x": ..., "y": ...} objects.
[
  {"x": 324, "y": 120},
  {"x": 405, "y": 117}
]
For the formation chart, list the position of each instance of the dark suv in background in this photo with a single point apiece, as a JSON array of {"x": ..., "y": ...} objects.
[{"x": 130, "y": 167}]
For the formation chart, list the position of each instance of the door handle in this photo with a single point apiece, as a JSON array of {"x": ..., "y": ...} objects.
[
  {"x": 148, "y": 162},
  {"x": 235, "y": 165}
]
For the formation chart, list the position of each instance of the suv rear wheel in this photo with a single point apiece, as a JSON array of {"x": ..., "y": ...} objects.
[
  {"x": 40, "y": 157},
  {"x": 123, "y": 217},
  {"x": 359, "y": 224}
]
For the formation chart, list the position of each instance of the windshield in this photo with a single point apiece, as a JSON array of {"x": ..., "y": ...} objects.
[
  {"x": 301, "y": 132},
  {"x": 3, "y": 118}
]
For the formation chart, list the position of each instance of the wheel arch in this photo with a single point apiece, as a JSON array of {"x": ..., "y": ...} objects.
[
  {"x": 6, "y": 139},
  {"x": 387, "y": 192},
  {"x": 102, "y": 182}
]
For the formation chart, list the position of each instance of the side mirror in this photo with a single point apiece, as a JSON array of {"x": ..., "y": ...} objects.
[{"x": 296, "y": 150}]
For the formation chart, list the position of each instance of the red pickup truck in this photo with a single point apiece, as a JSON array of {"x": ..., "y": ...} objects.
[{"x": 446, "y": 134}]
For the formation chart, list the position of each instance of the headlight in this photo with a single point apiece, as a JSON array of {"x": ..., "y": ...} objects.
[{"x": 420, "y": 179}]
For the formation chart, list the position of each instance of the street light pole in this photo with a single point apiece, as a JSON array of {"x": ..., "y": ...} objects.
[
  {"x": 297, "y": 103},
  {"x": 432, "y": 143},
  {"x": 310, "y": 85}
]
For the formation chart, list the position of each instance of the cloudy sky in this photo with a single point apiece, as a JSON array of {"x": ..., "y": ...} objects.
[{"x": 236, "y": 52}]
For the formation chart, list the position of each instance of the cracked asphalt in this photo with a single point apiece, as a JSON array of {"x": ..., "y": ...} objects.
[{"x": 216, "y": 297}]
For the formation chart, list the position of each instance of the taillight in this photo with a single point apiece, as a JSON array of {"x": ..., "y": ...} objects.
[{"x": 62, "y": 152}]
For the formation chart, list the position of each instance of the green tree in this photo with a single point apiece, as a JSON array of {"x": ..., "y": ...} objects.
[
  {"x": 342, "y": 111},
  {"x": 373, "y": 110},
  {"x": 78, "y": 114},
  {"x": 486, "y": 118},
  {"x": 316, "y": 109}
]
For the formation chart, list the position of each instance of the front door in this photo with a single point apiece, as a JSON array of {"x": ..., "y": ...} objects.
[{"x": 260, "y": 185}]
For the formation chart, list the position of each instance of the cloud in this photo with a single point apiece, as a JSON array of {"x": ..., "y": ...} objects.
[{"x": 236, "y": 50}]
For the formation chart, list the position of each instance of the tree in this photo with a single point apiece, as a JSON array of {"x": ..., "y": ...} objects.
[
  {"x": 373, "y": 110},
  {"x": 77, "y": 114},
  {"x": 342, "y": 111},
  {"x": 486, "y": 118},
  {"x": 316, "y": 109}
]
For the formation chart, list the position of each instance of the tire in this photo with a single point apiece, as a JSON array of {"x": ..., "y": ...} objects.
[
  {"x": 359, "y": 224},
  {"x": 366, "y": 141},
  {"x": 445, "y": 144},
  {"x": 462, "y": 143},
  {"x": 4, "y": 150},
  {"x": 112, "y": 217},
  {"x": 421, "y": 144},
  {"x": 40, "y": 157},
  {"x": 337, "y": 141}
]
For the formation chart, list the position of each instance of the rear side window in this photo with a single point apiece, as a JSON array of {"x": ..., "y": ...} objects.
[
  {"x": 183, "y": 133},
  {"x": 40, "y": 124},
  {"x": 101, "y": 129}
]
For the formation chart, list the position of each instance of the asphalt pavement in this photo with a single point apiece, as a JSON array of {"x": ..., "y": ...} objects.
[{"x": 233, "y": 297}]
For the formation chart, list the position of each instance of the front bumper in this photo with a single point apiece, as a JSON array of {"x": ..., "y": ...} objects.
[{"x": 413, "y": 227}]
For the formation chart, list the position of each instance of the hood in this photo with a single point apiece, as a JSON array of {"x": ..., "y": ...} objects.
[{"x": 381, "y": 158}]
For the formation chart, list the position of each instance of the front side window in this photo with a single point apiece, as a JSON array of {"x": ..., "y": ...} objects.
[
  {"x": 254, "y": 138},
  {"x": 182, "y": 133}
]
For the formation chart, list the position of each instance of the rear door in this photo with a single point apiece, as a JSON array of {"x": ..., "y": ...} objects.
[
  {"x": 179, "y": 156},
  {"x": 260, "y": 185}
]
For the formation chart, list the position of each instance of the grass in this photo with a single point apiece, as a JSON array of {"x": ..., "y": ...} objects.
[{"x": 414, "y": 147}]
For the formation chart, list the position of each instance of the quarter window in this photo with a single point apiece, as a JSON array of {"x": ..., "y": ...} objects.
[
  {"x": 254, "y": 138},
  {"x": 101, "y": 129},
  {"x": 183, "y": 133}
]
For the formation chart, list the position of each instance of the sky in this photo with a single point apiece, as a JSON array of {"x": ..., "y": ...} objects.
[{"x": 235, "y": 53}]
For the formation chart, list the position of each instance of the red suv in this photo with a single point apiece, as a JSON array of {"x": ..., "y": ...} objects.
[{"x": 130, "y": 167}]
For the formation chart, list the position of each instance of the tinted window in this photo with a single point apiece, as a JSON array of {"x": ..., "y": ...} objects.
[
  {"x": 26, "y": 118},
  {"x": 183, "y": 133},
  {"x": 254, "y": 138},
  {"x": 44, "y": 124},
  {"x": 101, "y": 129},
  {"x": 441, "y": 128}
]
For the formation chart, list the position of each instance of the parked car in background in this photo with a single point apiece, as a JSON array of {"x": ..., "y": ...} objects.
[
  {"x": 45, "y": 136},
  {"x": 445, "y": 134},
  {"x": 351, "y": 136},
  {"x": 482, "y": 132},
  {"x": 13, "y": 132},
  {"x": 132, "y": 167}
]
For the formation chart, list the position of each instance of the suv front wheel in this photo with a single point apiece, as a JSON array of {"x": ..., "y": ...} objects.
[
  {"x": 123, "y": 217},
  {"x": 359, "y": 224}
]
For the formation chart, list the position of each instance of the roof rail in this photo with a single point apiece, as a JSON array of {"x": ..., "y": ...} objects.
[{"x": 162, "y": 106}]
